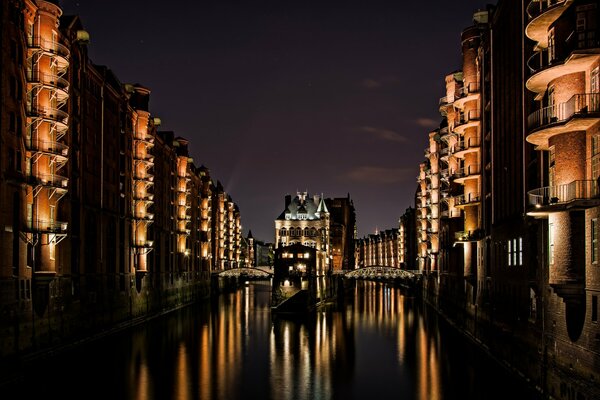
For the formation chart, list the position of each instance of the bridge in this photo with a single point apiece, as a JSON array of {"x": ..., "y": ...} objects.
[
  {"x": 248, "y": 273},
  {"x": 382, "y": 273}
]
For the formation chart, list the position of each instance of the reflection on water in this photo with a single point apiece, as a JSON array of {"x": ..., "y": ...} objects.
[{"x": 376, "y": 344}]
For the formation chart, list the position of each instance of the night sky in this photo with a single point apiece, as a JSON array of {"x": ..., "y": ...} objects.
[{"x": 275, "y": 97}]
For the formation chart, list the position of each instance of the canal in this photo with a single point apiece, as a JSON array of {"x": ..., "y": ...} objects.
[{"x": 376, "y": 344}]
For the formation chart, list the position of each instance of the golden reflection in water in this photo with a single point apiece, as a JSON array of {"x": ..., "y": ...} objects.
[
  {"x": 205, "y": 376},
  {"x": 182, "y": 378},
  {"x": 380, "y": 307}
]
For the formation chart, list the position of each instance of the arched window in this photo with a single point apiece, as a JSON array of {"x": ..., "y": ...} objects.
[
  {"x": 306, "y": 232},
  {"x": 282, "y": 232},
  {"x": 313, "y": 232}
]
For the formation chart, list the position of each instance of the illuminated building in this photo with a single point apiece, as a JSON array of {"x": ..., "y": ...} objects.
[
  {"x": 381, "y": 249},
  {"x": 306, "y": 220},
  {"x": 563, "y": 76},
  {"x": 104, "y": 218}
]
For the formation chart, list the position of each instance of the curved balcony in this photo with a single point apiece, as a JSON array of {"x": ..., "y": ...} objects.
[
  {"x": 468, "y": 172},
  {"x": 141, "y": 216},
  {"x": 46, "y": 226},
  {"x": 143, "y": 244},
  {"x": 578, "y": 194},
  {"x": 49, "y": 114},
  {"x": 51, "y": 82},
  {"x": 466, "y": 94},
  {"x": 48, "y": 147},
  {"x": 50, "y": 180},
  {"x": 445, "y": 102},
  {"x": 467, "y": 120},
  {"x": 465, "y": 147},
  {"x": 579, "y": 51},
  {"x": 148, "y": 140},
  {"x": 56, "y": 50},
  {"x": 466, "y": 200},
  {"x": 578, "y": 113},
  {"x": 542, "y": 14}
]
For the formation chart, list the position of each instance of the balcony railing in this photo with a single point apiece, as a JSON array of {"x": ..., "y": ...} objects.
[
  {"x": 58, "y": 49},
  {"x": 463, "y": 200},
  {"x": 560, "y": 194},
  {"x": 465, "y": 118},
  {"x": 538, "y": 7},
  {"x": 556, "y": 55},
  {"x": 463, "y": 172},
  {"x": 578, "y": 105},
  {"x": 35, "y": 76},
  {"x": 51, "y": 180},
  {"x": 471, "y": 88},
  {"x": 51, "y": 147},
  {"x": 49, "y": 113},
  {"x": 46, "y": 226},
  {"x": 466, "y": 145}
]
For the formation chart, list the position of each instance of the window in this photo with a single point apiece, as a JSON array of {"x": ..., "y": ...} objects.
[
  {"x": 551, "y": 158},
  {"x": 594, "y": 308},
  {"x": 551, "y": 48},
  {"x": 551, "y": 244},
  {"x": 594, "y": 237},
  {"x": 12, "y": 122},
  {"x": 515, "y": 251}
]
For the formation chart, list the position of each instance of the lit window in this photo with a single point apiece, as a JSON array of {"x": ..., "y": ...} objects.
[
  {"x": 509, "y": 253},
  {"x": 551, "y": 244}
]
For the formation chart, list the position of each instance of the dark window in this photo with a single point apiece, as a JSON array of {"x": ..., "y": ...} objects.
[
  {"x": 12, "y": 123},
  {"x": 13, "y": 50},
  {"x": 594, "y": 308}
]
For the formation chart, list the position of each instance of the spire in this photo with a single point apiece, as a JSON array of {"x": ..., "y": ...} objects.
[
  {"x": 322, "y": 206},
  {"x": 250, "y": 235}
]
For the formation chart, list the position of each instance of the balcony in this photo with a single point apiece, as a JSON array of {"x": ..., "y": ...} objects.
[
  {"x": 466, "y": 120},
  {"x": 469, "y": 236},
  {"x": 578, "y": 194},
  {"x": 53, "y": 82},
  {"x": 578, "y": 52},
  {"x": 46, "y": 226},
  {"x": 56, "y": 50},
  {"x": 471, "y": 171},
  {"x": 50, "y": 180},
  {"x": 47, "y": 113},
  {"x": 464, "y": 147},
  {"x": 466, "y": 200},
  {"x": 466, "y": 94},
  {"x": 47, "y": 147},
  {"x": 579, "y": 113},
  {"x": 445, "y": 102},
  {"x": 542, "y": 14}
]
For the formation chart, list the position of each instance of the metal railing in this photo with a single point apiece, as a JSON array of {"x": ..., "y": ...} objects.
[
  {"x": 472, "y": 169},
  {"x": 49, "y": 46},
  {"x": 560, "y": 194},
  {"x": 48, "y": 112},
  {"x": 469, "y": 144},
  {"x": 50, "y": 226},
  {"x": 554, "y": 55},
  {"x": 52, "y": 180},
  {"x": 47, "y": 146},
  {"x": 536, "y": 8},
  {"x": 464, "y": 118},
  {"x": 462, "y": 199},
  {"x": 35, "y": 76},
  {"x": 578, "y": 105}
]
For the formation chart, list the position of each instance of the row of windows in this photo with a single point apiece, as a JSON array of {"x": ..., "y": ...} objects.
[{"x": 298, "y": 232}]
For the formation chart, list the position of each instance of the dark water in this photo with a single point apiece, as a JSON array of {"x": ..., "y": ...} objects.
[{"x": 379, "y": 344}]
